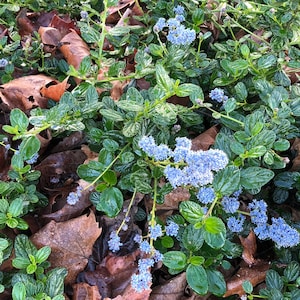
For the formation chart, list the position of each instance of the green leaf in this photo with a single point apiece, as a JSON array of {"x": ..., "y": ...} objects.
[
  {"x": 257, "y": 151},
  {"x": 197, "y": 260},
  {"x": 4, "y": 205},
  {"x": 90, "y": 35},
  {"x": 3, "y": 244},
  {"x": 10, "y": 129},
  {"x": 192, "y": 238},
  {"x": 131, "y": 128},
  {"x": 292, "y": 271},
  {"x": 110, "y": 145},
  {"x": 42, "y": 254},
  {"x": 241, "y": 92},
  {"x": 167, "y": 242},
  {"x": 214, "y": 225},
  {"x": 16, "y": 207},
  {"x": 88, "y": 174},
  {"x": 19, "y": 119},
  {"x": 281, "y": 145},
  {"x": 31, "y": 269},
  {"x": 19, "y": 291},
  {"x": 230, "y": 105},
  {"x": 110, "y": 177},
  {"x": 274, "y": 280},
  {"x": 111, "y": 202},
  {"x": 245, "y": 50},
  {"x": 247, "y": 286},
  {"x": 105, "y": 157},
  {"x": 175, "y": 260},
  {"x": 215, "y": 240},
  {"x": 266, "y": 61},
  {"x": 255, "y": 177},
  {"x": 111, "y": 115},
  {"x": 130, "y": 105},
  {"x": 163, "y": 79},
  {"x": 237, "y": 148},
  {"x": 23, "y": 246},
  {"x": 254, "y": 124},
  {"x": 197, "y": 279},
  {"x": 187, "y": 89},
  {"x": 20, "y": 262},
  {"x": 12, "y": 223},
  {"x": 55, "y": 282},
  {"x": 227, "y": 180},
  {"x": 191, "y": 211},
  {"x": 216, "y": 282},
  {"x": 29, "y": 147}
]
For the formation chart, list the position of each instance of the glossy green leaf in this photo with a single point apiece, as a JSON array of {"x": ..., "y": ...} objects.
[
  {"x": 55, "y": 282},
  {"x": 111, "y": 114},
  {"x": 255, "y": 177},
  {"x": 19, "y": 119},
  {"x": 42, "y": 254},
  {"x": 191, "y": 211},
  {"x": 227, "y": 180},
  {"x": 214, "y": 225},
  {"x": 20, "y": 262},
  {"x": 247, "y": 287},
  {"x": 215, "y": 240},
  {"x": 216, "y": 282},
  {"x": 16, "y": 207},
  {"x": 163, "y": 79},
  {"x": 19, "y": 291},
  {"x": 192, "y": 238},
  {"x": 111, "y": 202},
  {"x": 175, "y": 260},
  {"x": 197, "y": 279},
  {"x": 292, "y": 271},
  {"x": 274, "y": 280}
]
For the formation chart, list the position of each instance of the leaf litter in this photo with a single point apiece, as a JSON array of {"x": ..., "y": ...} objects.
[{"x": 74, "y": 233}]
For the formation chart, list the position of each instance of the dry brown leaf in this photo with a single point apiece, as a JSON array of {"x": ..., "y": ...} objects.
[
  {"x": 173, "y": 289},
  {"x": 71, "y": 243},
  {"x": 24, "y": 92},
  {"x": 296, "y": 161},
  {"x": 63, "y": 24},
  {"x": 55, "y": 89},
  {"x": 249, "y": 248},
  {"x": 255, "y": 274},
  {"x": 25, "y": 25},
  {"x": 204, "y": 140},
  {"x": 114, "y": 11},
  {"x": 83, "y": 291},
  {"x": 74, "y": 49},
  {"x": 50, "y": 36},
  {"x": 173, "y": 198}
]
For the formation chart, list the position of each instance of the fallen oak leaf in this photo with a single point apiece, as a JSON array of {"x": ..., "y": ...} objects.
[
  {"x": 49, "y": 36},
  {"x": 255, "y": 274},
  {"x": 71, "y": 243},
  {"x": 55, "y": 89},
  {"x": 74, "y": 49},
  {"x": 84, "y": 291},
  {"x": 249, "y": 248},
  {"x": 24, "y": 92},
  {"x": 204, "y": 140}
]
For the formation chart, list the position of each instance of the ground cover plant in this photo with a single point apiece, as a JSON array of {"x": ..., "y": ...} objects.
[{"x": 149, "y": 149}]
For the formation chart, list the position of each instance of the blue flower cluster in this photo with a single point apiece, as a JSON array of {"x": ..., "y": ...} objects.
[
  {"x": 279, "y": 231},
  {"x": 206, "y": 195},
  {"x": 177, "y": 33},
  {"x": 33, "y": 159},
  {"x": 198, "y": 165},
  {"x": 218, "y": 95},
  {"x": 73, "y": 197},
  {"x": 114, "y": 242},
  {"x": 230, "y": 204},
  {"x": 143, "y": 280},
  {"x": 155, "y": 231},
  {"x": 235, "y": 224},
  {"x": 172, "y": 228},
  {"x": 3, "y": 62}
]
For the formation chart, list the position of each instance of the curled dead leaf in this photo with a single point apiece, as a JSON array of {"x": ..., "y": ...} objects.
[
  {"x": 249, "y": 248},
  {"x": 256, "y": 274},
  {"x": 49, "y": 36},
  {"x": 55, "y": 89},
  {"x": 84, "y": 291},
  {"x": 204, "y": 140},
  {"x": 24, "y": 92},
  {"x": 71, "y": 243},
  {"x": 74, "y": 49}
]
